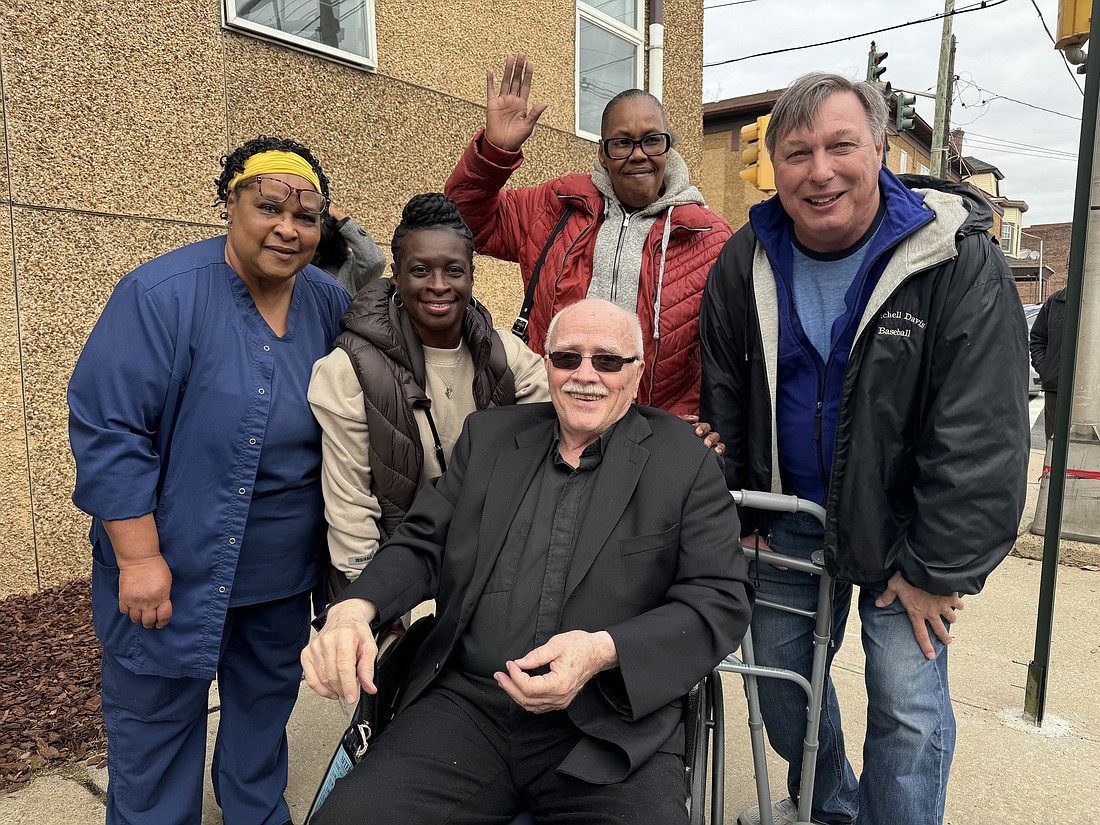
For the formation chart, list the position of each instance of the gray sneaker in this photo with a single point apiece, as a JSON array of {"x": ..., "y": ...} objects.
[{"x": 784, "y": 812}]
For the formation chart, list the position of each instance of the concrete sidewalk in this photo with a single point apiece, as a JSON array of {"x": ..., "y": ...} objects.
[{"x": 1005, "y": 771}]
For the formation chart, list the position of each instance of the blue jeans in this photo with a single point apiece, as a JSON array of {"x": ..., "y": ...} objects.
[{"x": 910, "y": 722}]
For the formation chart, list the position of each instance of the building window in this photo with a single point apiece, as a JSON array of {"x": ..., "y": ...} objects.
[
  {"x": 1007, "y": 231},
  {"x": 903, "y": 164},
  {"x": 340, "y": 29},
  {"x": 924, "y": 170},
  {"x": 609, "y": 57}
]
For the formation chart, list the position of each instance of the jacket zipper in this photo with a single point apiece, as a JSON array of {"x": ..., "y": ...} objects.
[
  {"x": 820, "y": 405},
  {"x": 856, "y": 356},
  {"x": 618, "y": 256}
]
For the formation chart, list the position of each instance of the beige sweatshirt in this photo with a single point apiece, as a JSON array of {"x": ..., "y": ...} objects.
[{"x": 337, "y": 402}]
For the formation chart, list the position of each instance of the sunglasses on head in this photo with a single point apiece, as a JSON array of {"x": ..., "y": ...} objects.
[{"x": 601, "y": 361}]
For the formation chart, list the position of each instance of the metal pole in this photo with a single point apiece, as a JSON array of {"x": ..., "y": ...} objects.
[
  {"x": 1088, "y": 193},
  {"x": 943, "y": 91},
  {"x": 656, "y": 48}
]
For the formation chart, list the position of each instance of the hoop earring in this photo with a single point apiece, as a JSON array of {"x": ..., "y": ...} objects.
[{"x": 395, "y": 300}]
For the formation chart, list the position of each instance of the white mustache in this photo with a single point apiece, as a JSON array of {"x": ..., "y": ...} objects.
[{"x": 585, "y": 389}]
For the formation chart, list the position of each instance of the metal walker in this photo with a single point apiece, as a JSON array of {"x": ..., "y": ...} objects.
[{"x": 750, "y": 671}]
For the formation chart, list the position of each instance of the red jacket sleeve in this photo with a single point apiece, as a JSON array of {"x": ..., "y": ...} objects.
[{"x": 499, "y": 218}]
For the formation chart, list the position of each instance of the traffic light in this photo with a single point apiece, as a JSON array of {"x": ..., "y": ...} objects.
[
  {"x": 904, "y": 113},
  {"x": 1073, "y": 23},
  {"x": 754, "y": 155},
  {"x": 876, "y": 68}
]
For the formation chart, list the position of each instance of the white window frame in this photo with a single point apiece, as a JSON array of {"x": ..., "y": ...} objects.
[
  {"x": 924, "y": 170},
  {"x": 610, "y": 24},
  {"x": 231, "y": 20},
  {"x": 1008, "y": 235},
  {"x": 903, "y": 162}
]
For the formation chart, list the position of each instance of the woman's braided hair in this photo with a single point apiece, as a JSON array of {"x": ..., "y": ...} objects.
[
  {"x": 431, "y": 210},
  {"x": 233, "y": 163}
]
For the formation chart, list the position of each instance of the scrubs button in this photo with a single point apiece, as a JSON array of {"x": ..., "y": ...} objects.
[
  {"x": 267, "y": 348},
  {"x": 251, "y": 441},
  {"x": 241, "y": 490},
  {"x": 261, "y": 390},
  {"x": 232, "y": 541},
  {"x": 221, "y": 589}
]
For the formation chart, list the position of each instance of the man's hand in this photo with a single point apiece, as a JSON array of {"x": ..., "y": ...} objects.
[
  {"x": 755, "y": 541},
  {"x": 573, "y": 657},
  {"x": 924, "y": 609},
  {"x": 341, "y": 657},
  {"x": 705, "y": 432},
  {"x": 508, "y": 121},
  {"x": 144, "y": 591}
]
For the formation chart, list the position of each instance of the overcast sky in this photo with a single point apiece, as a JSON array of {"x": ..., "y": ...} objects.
[{"x": 1002, "y": 52}]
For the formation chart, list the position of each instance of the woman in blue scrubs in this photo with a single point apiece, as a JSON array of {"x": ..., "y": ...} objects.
[{"x": 199, "y": 461}]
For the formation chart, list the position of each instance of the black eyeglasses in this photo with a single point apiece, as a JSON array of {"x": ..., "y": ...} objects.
[
  {"x": 601, "y": 361},
  {"x": 621, "y": 148},
  {"x": 275, "y": 191}
]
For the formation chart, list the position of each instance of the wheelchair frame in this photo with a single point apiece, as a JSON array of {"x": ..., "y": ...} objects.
[{"x": 704, "y": 713}]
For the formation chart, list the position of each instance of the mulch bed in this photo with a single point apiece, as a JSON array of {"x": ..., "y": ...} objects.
[{"x": 49, "y": 683}]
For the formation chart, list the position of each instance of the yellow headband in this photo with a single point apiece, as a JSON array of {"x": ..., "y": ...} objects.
[{"x": 275, "y": 162}]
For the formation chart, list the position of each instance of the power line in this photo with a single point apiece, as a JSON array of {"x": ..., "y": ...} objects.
[
  {"x": 722, "y": 5},
  {"x": 1042, "y": 150},
  {"x": 996, "y": 149},
  {"x": 995, "y": 96},
  {"x": 1046, "y": 28},
  {"x": 983, "y": 4},
  {"x": 1017, "y": 144}
]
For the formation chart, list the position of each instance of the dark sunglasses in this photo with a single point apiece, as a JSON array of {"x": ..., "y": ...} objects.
[{"x": 601, "y": 361}]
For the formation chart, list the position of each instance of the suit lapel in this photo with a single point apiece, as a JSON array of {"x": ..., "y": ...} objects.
[{"x": 618, "y": 477}]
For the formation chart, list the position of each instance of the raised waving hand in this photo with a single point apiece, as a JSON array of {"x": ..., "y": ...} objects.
[{"x": 508, "y": 120}]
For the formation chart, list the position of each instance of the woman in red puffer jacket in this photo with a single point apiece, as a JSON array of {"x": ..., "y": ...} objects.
[{"x": 634, "y": 231}]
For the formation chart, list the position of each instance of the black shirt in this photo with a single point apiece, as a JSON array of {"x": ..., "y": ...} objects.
[{"x": 521, "y": 605}]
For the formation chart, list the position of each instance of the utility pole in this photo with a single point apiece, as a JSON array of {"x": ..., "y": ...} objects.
[
  {"x": 944, "y": 86},
  {"x": 1073, "y": 454}
]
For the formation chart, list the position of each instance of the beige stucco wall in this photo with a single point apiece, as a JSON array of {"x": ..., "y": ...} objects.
[
  {"x": 683, "y": 74},
  {"x": 114, "y": 121}
]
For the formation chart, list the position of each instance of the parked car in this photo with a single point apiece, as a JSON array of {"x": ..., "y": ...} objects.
[{"x": 1034, "y": 386}]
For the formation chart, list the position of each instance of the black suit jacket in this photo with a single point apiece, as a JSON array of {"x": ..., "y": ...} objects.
[{"x": 656, "y": 565}]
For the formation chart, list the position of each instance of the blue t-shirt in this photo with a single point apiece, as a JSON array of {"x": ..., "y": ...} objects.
[
  {"x": 820, "y": 282},
  {"x": 186, "y": 405}
]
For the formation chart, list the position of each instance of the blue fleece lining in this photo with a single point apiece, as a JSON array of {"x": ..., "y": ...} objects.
[{"x": 805, "y": 434}]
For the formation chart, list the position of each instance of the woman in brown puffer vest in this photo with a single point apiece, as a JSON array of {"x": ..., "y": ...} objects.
[{"x": 417, "y": 354}]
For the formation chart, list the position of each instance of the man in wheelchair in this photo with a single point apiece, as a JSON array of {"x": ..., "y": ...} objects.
[{"x": 583, "y": 558}]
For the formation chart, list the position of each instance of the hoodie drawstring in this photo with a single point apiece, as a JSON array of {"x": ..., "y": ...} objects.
[{"x": 657, "y": 302}]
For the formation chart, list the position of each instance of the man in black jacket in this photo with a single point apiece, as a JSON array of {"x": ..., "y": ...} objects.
[
  {"x": 583, "y": 558},
  {"x": 856, "y": 338},
  {"x": 1046, "y": 352}
]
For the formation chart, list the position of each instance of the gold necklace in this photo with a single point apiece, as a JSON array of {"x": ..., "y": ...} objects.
[{"x": 448, "y": 389}]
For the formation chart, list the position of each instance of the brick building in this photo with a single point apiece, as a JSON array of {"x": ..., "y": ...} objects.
[{"x": 1051, "y": 240}]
